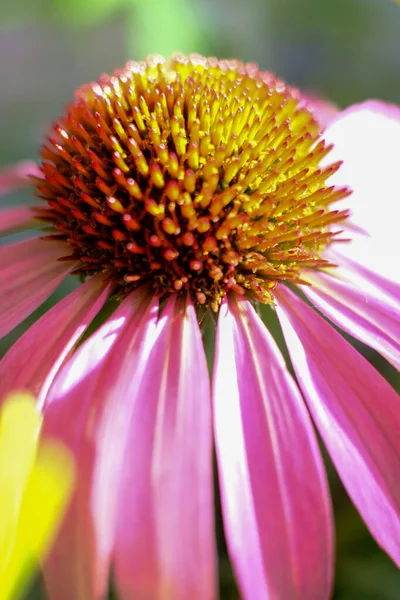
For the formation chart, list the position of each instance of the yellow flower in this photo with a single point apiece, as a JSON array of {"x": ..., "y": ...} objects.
[{"x": 36, "y": 478}]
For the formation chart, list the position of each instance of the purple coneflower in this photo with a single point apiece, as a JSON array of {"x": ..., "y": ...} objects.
[{"x": 180, "y": 190}]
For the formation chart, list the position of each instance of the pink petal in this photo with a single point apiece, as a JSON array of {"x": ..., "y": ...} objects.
[
  {"x": 274, "y": 492},
  {"x": 164, "y": 543},
  {"x": 361, "y": 276},
  {"x": 366, "y": 138},
  {"x": 372, "y": 320},
  {"x": 77, "y": 408},
  {"x": 14, "y": 218},
  {"x": 357, "y": 414},
  {"x": 17, "y": 175},
  {"x": 380, "y": 291},
  {"x": 41, "y": 350},
  {"x": 29, "y": 273}
]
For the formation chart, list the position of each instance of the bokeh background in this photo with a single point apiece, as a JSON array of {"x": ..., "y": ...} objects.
[{"x": 343, "y": 50}]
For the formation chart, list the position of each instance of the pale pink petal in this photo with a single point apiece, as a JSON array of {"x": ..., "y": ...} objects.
[
  {"x": 41, "y": 350},
  {"x": 15, "y": 218},
  {"x": 366, "y": 138},
  {"x": 357, "y": 414},
  {"x": 374, "y": 105},
  {"x": 17, "y": 175},
  {"x": 29, "y": 273},
  {"x": 75, "y": 411},
  {"x": 164, "y": 541},
  {"x": 274, "y": 492},
  {"x": 357, "y": 311},
  {"x": 323, "y": 110}
]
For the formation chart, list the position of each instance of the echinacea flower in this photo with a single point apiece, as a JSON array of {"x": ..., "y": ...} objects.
[
  {"x": 36, "y": 479},
  {"x": 183, "y": 189}
]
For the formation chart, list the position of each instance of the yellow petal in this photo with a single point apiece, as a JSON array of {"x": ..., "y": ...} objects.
[
  {"x": 19, "y": 428},
  {"x": 35, "y": 486}
]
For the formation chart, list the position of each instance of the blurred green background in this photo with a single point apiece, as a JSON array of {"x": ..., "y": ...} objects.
[{"x": 344, "y": 50}]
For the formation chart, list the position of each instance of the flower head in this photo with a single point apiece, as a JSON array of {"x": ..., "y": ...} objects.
[
  {"x": 190, "y": 174},
  {"x": 188, "y": 183}
]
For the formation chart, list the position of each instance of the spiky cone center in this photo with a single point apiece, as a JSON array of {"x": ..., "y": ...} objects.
[{"x": 191, "y": 174}]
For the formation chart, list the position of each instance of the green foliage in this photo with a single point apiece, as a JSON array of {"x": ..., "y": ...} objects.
[
  {"x": 164, "y": 27},
  {"x": 80, "y": 13}
]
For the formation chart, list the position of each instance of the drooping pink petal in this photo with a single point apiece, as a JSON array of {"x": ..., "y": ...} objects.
[
  {"x": 357, "y": 414},
  {"x": 366, "y": 138},
  {"x": 357, "y": 311},
  {"x": 14, "y": 218},
  {"x": 40, "y": 351},
  {"x": 29, "y": 273},
  {"x": 164, "y": 541},
  {"x": 16, "y": 176},
  {"x": 274, "y": 492},
  {"x": 77, "y": 411}
]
